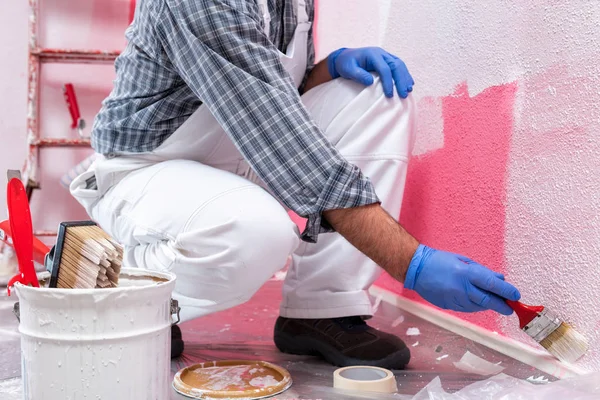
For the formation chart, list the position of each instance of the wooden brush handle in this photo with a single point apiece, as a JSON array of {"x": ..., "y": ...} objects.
[{"x": 525, "y": 312}]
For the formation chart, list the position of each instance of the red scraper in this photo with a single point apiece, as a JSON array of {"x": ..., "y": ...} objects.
[{"x": 21, "y": 228}]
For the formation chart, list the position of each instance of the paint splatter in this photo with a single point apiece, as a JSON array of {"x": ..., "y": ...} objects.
[
  {"x": 255, "y": 370},
  {"x": 219, "y": 378},
  {"x": 279, "y": 276},
  {"x": 398, "y": 321},
  {"x": 539, "y": 380},
  {"x": 377, "y": 303},
  {"x": 413, "y": 332},
  {"x": 227, "y": 327},
  {"x": 477, "y": 365},
  {"x": 264, "y": 381}
]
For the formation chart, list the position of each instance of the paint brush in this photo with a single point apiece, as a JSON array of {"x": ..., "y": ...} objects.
[
  {"x": 84, "y": 257},
  {"x": 546, "y": 328}
]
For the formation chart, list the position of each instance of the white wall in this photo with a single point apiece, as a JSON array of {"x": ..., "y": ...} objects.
[{"x": 541, "y": 62}]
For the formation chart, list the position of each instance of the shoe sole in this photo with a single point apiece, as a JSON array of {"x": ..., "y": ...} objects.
[{"x": 306, "y": 346}]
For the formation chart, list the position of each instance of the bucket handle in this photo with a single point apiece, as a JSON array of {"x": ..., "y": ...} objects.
[{"x": 175, "y": 310}]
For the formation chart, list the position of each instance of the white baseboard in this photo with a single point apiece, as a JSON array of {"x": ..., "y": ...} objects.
[{"x": 529, "y": 355}]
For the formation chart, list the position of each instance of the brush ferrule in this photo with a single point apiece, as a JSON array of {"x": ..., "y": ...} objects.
[{"x": 543, "y": 325}]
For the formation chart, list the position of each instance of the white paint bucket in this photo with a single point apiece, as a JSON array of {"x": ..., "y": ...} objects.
[{"x": 110, "y": 344}]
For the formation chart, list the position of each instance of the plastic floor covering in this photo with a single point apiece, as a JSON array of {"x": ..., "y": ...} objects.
[{"x": 245, "y": 332}]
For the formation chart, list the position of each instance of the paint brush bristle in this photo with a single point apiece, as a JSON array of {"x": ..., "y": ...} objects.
[
  {"x": 548, "y": 329},
  {"x": 86, "y": 257},
  {"x": 565, "y": 343}
]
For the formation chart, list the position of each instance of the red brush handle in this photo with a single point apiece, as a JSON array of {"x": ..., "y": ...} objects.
[
  {"x": 22, "y": 231},
  {"x": 525, "y": 313}
]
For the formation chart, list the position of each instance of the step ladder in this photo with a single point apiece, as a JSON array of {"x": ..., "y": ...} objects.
[{"x": 38, "y": 56}]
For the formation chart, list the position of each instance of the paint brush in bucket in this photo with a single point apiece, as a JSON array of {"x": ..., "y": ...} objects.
[
  {"x": 546, "y": 328},
  {"x": 84, "y": 257}
]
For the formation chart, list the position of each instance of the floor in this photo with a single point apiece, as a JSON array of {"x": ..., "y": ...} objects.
[{"x": 245, "y": 333}]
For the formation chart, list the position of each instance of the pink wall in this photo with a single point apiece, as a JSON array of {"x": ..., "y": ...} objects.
[
  {"x": 507, "y": 159},
  {"x": 13, "y": 86},
  {"x": 455, "y": 195},
  {"x": 63, "y": 24}
]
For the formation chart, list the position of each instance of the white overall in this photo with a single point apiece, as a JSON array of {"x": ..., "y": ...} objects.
[{"x": 195, "y": 207}]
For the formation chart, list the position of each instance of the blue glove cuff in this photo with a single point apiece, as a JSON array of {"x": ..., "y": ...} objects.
[
  {"x": 331, "y": 63},
  {"x": 414, "y": 268}
]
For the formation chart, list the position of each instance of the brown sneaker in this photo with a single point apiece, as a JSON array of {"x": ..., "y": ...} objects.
[
  {"x": 177, "y": 344},
  {"x": 341, "y": 341}
]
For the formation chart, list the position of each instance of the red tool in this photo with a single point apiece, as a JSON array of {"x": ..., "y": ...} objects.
[
  {"x": 71, "y": 99},
  {"x": 39, "y": 248},
  {"x": 21, "y": 228}
]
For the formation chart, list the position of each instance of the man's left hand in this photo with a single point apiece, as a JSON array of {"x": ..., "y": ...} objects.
[{"x": 357, "y": 65}]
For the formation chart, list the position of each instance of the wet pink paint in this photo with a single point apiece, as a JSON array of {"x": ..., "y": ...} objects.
[{"x": 455, "y": 196}]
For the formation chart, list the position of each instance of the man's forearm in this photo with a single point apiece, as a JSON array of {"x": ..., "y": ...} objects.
[
  {"x": 369, "y": 228},
  {"x": 318, "y": 76},
  {"x": 376, "y": 234}
]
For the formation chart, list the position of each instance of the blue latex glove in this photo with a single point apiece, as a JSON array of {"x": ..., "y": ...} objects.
[
  {"x": 454, "y": 282},
  {"x": 357, "y": 65}
]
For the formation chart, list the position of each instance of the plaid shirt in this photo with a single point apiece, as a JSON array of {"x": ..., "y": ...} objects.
[{"x": 184, "y": 53}]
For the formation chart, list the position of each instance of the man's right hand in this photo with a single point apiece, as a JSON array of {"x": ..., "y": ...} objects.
[{"x": 454, "y": 282}]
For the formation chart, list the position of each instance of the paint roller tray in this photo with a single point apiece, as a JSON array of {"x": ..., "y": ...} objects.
[{"x": 232, "y": 380}]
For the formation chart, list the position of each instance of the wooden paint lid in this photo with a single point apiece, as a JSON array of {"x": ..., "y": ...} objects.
[{"x": 232, "y": 380}]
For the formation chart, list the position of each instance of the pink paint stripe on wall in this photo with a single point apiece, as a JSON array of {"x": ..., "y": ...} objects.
[{"x": 455, "y": 196}]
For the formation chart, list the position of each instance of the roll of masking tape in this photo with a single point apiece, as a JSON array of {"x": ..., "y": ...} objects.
[{"x": 365, "y": 379}]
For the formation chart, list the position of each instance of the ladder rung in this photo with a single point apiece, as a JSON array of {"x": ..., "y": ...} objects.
[
  {"x": 75, "y": 56},
  {"x": 59, "y": 142}
]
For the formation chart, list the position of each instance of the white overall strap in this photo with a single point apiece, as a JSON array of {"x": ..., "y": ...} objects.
[
  {"x": 264, "y": 8},
  {"x": 302, "y": 14},
  {"x": 295, "y": 58}
]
